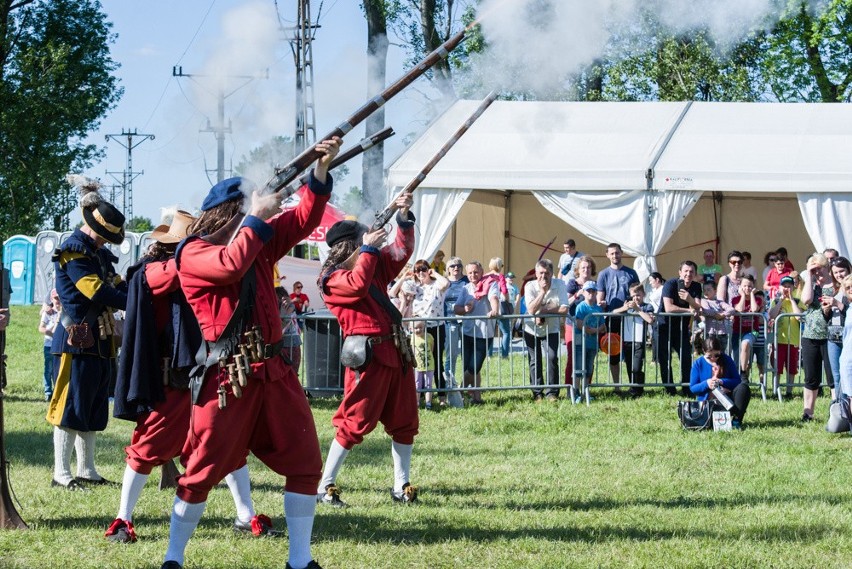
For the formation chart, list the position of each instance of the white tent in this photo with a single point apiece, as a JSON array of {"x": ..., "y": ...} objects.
[{"x": 632, "y": 172}]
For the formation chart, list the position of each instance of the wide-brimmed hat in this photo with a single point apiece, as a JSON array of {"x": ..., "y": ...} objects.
[
  {"x": 176, "y": 232},
  {"x": 106, "y": 221}
]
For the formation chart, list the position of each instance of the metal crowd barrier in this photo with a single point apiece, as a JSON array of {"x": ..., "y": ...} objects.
[{"x": 507, "y": 367}]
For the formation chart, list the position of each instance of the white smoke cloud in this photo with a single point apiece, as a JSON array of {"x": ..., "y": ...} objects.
[{"x": 536, "y": 44}]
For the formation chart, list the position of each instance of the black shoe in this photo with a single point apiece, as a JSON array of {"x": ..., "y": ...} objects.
[
  {"x": 259, "y": 526},
  {"x": 121, "y": 531},
  {"x": 312, "y": 565},
  {"x": 92, "y": 482},
  {"x": 171, "y": 565},
  {"x": 807, "y": 418},
  {"x": 72, "y": 486},
  {"x": 408, "y": 495},
  {"x": 331, "y": 497}
]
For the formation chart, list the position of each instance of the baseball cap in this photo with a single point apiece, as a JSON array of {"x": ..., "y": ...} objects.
[
  {"x": 787, "y": 280},
  {"x": 590, "y": 285}
]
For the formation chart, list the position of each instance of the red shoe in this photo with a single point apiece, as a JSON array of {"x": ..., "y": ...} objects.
[{"x": 121, "y": 531}]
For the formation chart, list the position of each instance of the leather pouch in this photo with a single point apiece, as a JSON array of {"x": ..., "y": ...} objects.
[{"x": 356, "y": 353}]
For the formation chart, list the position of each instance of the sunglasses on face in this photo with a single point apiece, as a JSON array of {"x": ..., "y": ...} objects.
[
  {"x": 454, "y": 267},
  {"x": 736, "y": 262},
  {"x": 422, "y": 270}
]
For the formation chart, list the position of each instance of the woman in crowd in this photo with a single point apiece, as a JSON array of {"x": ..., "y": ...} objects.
[
  {"x": 817, "y": 299},
  {"x": 584, "y": 271},
  {"x": 717, "y": 370},
  {"x": 456, "y": 279},
  {"x": 300, "y": 300},
  {"x": 840, "y": 269},
  {"x": 729, "y": 284},
  {"x": 429, "y": 303}
]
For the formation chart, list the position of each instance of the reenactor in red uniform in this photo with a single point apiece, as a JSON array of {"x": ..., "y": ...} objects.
[
  {"x": 249, "y": 399},
  {"x": 378, "y": 386}
]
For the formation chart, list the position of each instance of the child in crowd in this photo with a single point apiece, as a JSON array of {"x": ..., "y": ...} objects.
[
  {"x": 291, "y": 340},
  {"x": 48, "y": 323},
  {"x": 787, "y": 331},
  {"x": 748, "y": 268},
  {"x": 438, "y": 264},
  {"x": 744, "y": 327},
  {"x": 759, "y": 347},
  {"x": 424, "y": 362},
  {"x": 587, "y": 326},
  {"x": 638, "y": 315},
  {"x": 715, "y": 315}
]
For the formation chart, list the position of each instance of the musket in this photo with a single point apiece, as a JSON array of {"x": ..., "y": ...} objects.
[
  {"x": 306, "y": 158},
  {"x": 233, "y": 226},
  {"x": 384, "y": 216}
]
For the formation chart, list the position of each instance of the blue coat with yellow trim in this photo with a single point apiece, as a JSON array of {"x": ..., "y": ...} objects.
[{"x": 85, "y": 274}]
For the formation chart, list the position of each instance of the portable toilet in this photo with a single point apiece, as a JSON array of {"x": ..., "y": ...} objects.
[
  {"x": 144, "y": 242},
  {"x": 46, "y": 243},
  {"x": 126, "y": 251},
  {"x": 64, "y": 235},
  {"x": 19, "y": 259}
]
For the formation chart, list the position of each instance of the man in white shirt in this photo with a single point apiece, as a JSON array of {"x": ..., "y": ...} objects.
[{"x": 544, "y": 296}]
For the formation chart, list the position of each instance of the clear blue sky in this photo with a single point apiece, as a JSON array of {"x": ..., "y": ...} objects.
[{"x": 155, "y": 35}]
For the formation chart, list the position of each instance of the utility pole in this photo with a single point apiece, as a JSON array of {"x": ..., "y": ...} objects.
[
  {"x": 303, "y": 57},
  {"x": 219, "y": 130},
  {"x": 128, "y": 175}
]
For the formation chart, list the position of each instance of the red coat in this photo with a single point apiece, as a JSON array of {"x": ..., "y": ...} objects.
[
  {"x": 384, "y": 391},
  {"x": 346, "y": 293},
  {"x": 211, "y": 275},
  {"x": 220, "y": 439},
  {"x": 162, "y": 278}
]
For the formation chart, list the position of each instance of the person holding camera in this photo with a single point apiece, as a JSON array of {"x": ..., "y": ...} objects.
[
  {"x": 817, "y": 300},
  {"x": 716, "y": 370},
  {"x": 681, "y": 298}
]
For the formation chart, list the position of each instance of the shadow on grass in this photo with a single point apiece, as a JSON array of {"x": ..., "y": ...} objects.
[{"x": 362, "y": 528}]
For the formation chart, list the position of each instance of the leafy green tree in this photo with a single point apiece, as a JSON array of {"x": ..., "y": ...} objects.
[
  {"x": 807, "y": 56},
  {"x": 139, "y": 224},
  {"x": 56, "y": 83}
]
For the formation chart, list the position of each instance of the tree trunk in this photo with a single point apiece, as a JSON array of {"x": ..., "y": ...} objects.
[
  {"x": 372, "y": 177},
  {"x": 442, "y": 77}
]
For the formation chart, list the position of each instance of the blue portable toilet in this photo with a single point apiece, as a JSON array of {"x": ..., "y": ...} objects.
[
  {"x": 19, "y": 259},
  {"x": 45, "y": 278}
]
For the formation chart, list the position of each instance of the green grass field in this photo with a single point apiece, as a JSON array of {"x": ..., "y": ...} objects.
[{"x": 507, "y": 484}]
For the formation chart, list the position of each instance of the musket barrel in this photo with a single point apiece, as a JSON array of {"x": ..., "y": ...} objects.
[
  {"x": 385, "y": 216},
  {"x": 441, "y": 52}
]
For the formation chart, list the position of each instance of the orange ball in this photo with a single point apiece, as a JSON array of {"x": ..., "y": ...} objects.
[{"x": 611, "y": 344}]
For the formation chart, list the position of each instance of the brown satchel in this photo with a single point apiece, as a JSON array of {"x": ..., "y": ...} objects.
[{"x": 80, "y": 336}]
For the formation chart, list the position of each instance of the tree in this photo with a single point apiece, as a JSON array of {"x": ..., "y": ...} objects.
[
  {"x": 807, "y": 56},
  {"x": 139, "y": 224},
  {"x": 56, "y": 84},
  {"x": 373, "y": 163}
]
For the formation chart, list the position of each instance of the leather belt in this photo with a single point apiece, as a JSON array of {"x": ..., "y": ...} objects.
[
  {"x": 272, "y": 350},
  {"x": 380, "y": 339}
]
